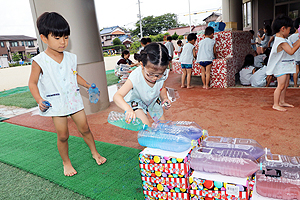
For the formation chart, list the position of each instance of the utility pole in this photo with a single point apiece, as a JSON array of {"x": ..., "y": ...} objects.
[
  {"x": 141, "y": 31},
  {"x": 190, "y": 16}
]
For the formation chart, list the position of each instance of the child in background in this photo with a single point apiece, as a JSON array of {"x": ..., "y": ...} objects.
[
  {"x": 171, "y": 49},
  {"x": 206, "y": 54},
  {"x": 258, "y": 79},
  {"x": 144, "y": 42},
  {"x": 253, "y": 41},
  {"x": 265, "y": 38},
  {"x": 180, "y": 46},
  {"x": 125, "y": 59},
  {"x": 145, "y": 91},
  {"x": 247, "y": 70},
  {"x": 282, "y": 61},
  {"x": 54, "y": 78},
  {"x": 293, "y": 38},
  {"x": 186, "y": 59}
]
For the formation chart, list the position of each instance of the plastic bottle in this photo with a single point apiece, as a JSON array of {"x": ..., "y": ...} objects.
[
  {"x": 249, "y": 146},
  {"x": 188, "y": 129},
  {"x": 161, "y": 140},
  {"x": 47, "y": 104},
  {"x": 224, "y": 161},
  {"x": 118, "y": 119},
  {"x": 94, "y": 93},
  {"x": 279, "y": 176}
]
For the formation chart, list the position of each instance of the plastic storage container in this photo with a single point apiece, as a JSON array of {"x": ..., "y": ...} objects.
[
  {"x": 188, "y": 129},
  {"x": 279, "y": 176},
  {"x": 159, "y": 139},
  {"x": 118, "y": 119},
  {"x": 94, "y": 93},
  {"x": 224, "y": 161},
  {"x": 249, "y": 146}
]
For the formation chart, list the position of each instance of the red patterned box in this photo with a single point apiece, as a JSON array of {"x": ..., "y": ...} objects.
[
  {"x": 152, "y": 195},
  {"x": 231, "y": 48},
  {"x": 179, "y": 185},
  {"x": 214, "y": 185}
]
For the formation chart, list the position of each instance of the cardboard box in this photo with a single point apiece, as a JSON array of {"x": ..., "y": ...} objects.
[{"x": 214, "y": 185}]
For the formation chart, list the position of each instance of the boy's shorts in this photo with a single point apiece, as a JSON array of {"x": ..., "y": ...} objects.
[
  {"x": 186, "y": 66},
  {"x": 205, "y": 63},
  {"x": 297, "y": 62}
]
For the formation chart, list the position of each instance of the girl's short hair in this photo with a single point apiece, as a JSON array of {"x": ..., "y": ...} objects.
[
  {"x": 125, "y": 52},
  {"x": 155, "y": 53},
  {"x": 52, "y": 23},
  {"x": 269, "y": 30},
  {"x": 280, "y": 21},
  {"x": 179, "y": 42},
  {"x": 249, "y": 60}
]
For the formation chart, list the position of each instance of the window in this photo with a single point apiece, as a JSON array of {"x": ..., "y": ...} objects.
[
  {"x": 247, "y": 14},
  {"x": 14, "y": 44},
  {"x": 108, "y": 37},
  {"x": 22, "y": 43},
  {"x": 30, "y": 44},
  {"x": 2, "y": 44}
]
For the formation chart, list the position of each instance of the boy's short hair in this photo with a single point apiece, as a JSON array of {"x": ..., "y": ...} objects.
[
  {"x": 296, "y": 23},
  {"x": 149, "y": 40},
  {"x": 209, "y": 30},
  {"x": 52, "y": 23},
  {"x": 252, "y": 32},
  {"x": 169, "y": 38},
  {"x": 281, "y": 21},
  {"x": 144, "y": 41},
  {"x": 179, "y": 42},
  {"x": 192, "y": 36}
]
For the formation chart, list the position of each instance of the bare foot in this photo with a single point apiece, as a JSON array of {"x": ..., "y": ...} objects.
[
  {"x": 183, "y": 86},
  {"x": 99, "y": 159},
  {"x": 69, "y": 170},
  {"x": 204, "y": 87},
  {"x": 189, "y": 87},
  {"x": 286, "y": 105},
  {"x": 208, "y": 88},
  {"x": 279, "y": 108}
]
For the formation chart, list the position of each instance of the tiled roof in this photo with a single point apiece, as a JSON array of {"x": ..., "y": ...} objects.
[
  {"x": 15, "y": 37},
  {"x": 186, "y": 29},
  {"x": 124, "y": 37},
  {"x": 108, "y": 30}
]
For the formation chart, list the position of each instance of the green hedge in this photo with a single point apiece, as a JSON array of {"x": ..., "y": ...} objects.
[{"x": 116, "y": 47}]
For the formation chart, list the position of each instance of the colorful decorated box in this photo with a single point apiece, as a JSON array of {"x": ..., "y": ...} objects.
[
  {"x": 231, "y": 47},
  {"x": 214, "y": 185},
  {"x": 152, "y": 195},
  {"x": 178, "y": 185}
]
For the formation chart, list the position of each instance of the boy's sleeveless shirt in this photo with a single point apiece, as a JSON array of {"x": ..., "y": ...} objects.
[
  {"x": 280, "y": 62},
  {"x": 58, "y": 84}
]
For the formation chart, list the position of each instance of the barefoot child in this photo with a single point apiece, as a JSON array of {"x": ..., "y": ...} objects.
[
  {"x": 282, "y": 61},
  {"x": 206, "y": 54},
  {"x": 54, "y": 78},
  {"x": 144, "y": 91},
  {"x": 186, "y": 59}
]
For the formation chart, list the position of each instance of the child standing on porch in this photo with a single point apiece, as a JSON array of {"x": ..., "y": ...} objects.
[
  {"x": 282, "y": 61},
  {"x": 54, "y": 79}
]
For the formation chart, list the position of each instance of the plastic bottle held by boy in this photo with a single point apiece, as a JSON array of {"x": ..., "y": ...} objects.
[
  {"x": 249, "y": 146},
  {"x": 47, "y": 104},
  {"x": 224, "y": 161},
  {"x": 94, "y": 93},
  {"x": 158, "y": 139},
  {"x": 118, "y": 119},
  {"x": 279, "y": 176}
]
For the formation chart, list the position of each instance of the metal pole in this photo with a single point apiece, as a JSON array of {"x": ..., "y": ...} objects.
[
  {"x": 141, "y": 31},
  {"x": 190, "y": 16}
]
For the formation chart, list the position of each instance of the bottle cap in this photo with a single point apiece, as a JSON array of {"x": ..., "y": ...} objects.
[{"x": 93, "y": 85}]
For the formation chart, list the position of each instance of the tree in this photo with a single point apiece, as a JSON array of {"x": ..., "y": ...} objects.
[
  {"x": 155, "y": 25},
  {"x": 16, "y": 57},
  {"x": 117, "y": 41},
  {"x": 175, "y": 36},
  {"x": 180, "y": 37}
]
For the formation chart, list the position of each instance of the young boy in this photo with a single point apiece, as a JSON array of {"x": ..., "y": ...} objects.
[
  {"x": 293, "y": 38},
  {"x": 206, "y": 54},
  {"x": 171, "y": 49},
  {"x": 54, "y": 79},
  {"x": 180, "y": 46},
  {"x": 143, "y": 44},
  {"x": 186, "y": 59},
  {"x": 282, "y": 61}
]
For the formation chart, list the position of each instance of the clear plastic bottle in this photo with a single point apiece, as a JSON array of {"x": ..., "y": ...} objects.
[
  {"x": 94, "y": 93},
  {"x": 159, "y": 139},
  {"x": 188, "y": 129},
  {"x": 279, "y": 176},
  {"x": 249, "y": 146},
  {"x": 224, "y": 161},
  {"x": 118, "y": 119}
]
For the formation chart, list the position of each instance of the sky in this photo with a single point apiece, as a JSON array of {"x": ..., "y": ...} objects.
[{"x": 16, "y": 18}]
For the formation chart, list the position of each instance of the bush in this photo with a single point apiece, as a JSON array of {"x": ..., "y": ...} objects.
[
  {"x": 117, "y": 41},
  {"x": 180, "y": 37},
  {"x": 115, "y": 47},
  {"x": 174, "y": 36}
]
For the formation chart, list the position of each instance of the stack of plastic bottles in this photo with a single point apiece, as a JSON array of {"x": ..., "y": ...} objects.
[
  {"x": 175, "y": 136},
  {"x": 122, "y": 71},
  {"x": 279, "y": 176}
]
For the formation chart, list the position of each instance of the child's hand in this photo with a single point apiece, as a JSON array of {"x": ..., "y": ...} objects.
[
  {"x": 129, "y": 116},
  {"x": 44, "y": 105},
  {"x": 166, "y": 104}
]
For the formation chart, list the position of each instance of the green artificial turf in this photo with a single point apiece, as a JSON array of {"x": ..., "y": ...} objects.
[
  {"x": 22, "y": 100},
  {"x": 35, "y": 151}
]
